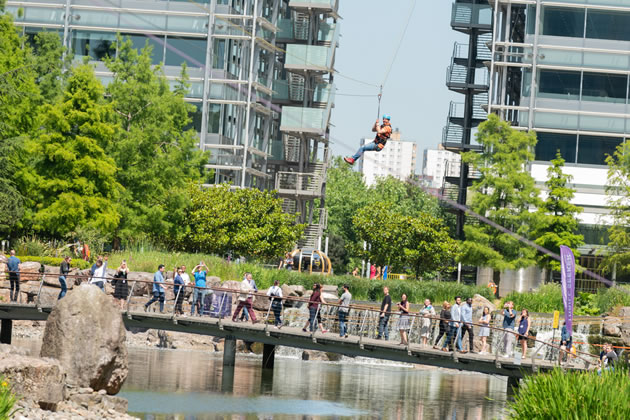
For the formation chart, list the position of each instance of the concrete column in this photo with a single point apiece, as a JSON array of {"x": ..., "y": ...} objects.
[
  {"x": 227, "y": 379},
  {"x": 229, "y": 352},
  {"x": 5, "y": 331},
  {"x": 513, "y": 385},
  {"x": 269, "y": 356}
]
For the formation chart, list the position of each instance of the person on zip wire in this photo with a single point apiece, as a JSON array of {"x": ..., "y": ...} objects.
[{"x": 383, "y": 132}]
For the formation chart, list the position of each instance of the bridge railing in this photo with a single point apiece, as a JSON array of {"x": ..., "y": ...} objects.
[{"x": 362, "y": 320}]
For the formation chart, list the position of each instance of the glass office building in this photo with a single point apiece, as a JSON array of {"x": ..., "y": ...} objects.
[
  {"x": 561, "y": 68},
  {"x": 261, "y": 74}
]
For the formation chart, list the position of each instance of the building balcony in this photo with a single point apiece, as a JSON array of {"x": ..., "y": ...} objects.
[
  {"x": 457, "y": 111},
  {"x": 321, "y": 6},
  {"x": 460, "y": 79},
  {"x": 452, "y": 170},
  {"x": 453, "y": 139},
  {"x": 299, "y": 184},
  {"x": 468, "y": 16},
  {"x": 304, "y": 120}
]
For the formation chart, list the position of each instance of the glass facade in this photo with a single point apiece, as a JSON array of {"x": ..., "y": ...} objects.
[{"x": 237, "y": 116}]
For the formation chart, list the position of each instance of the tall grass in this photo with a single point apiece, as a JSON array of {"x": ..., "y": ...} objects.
[
  {"x": 583, "y": 395},
  {"x": 361, "y": 288},
  {"x": 547, "y": 298}
]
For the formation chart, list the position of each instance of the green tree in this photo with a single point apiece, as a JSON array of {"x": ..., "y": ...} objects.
[
  {"x": 155, "y": 152},
  {"x": 69, "y": 179},
  {"x": 557, "y": 221},
  {"x": 505, "y": 193},
  {"x": 400, "y": 241},
  {"x": 405, "y": 197},
  {"x": 49, "y": 65},
  {"x": 247, "y": 222},
  {"x": 618, "y": 192}
]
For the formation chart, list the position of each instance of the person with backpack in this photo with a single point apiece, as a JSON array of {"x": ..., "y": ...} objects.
[
  {"x": 346, "y": 297},
  {"x": 64, "y": 270},
  {"x": 383, "y": 133}
]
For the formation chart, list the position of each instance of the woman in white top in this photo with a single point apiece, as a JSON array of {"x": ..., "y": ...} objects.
[
  {"x": 275, "y": 293},
  {"x": 99, "y": 273},
  {"x": 484, "y": 331},
  {"x": 427, "y": 312}
]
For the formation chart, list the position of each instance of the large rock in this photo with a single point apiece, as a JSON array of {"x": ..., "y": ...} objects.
[
  {"x": 29, "y": 271},
  {"x": 479, "y": 302},
  {"x": 32, "y": 378},
  {"x": 143, "y": 285},
  {"x": 261, "y": 303},
  {"x": 612, "y": 326},
  {"x": 85, "y": 332}
]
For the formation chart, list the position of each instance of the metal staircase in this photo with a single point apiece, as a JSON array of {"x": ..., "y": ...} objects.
[
  {"x": 313, "y": 232},
  {"x": 296, "y": 87},
  {"x": 291, "y": 148}
]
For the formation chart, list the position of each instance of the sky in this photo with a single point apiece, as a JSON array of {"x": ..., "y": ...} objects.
[{"x": 415, "y": 93}]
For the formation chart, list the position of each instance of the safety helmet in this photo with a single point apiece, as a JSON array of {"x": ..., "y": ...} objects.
[{"x": 386, "y": 117}]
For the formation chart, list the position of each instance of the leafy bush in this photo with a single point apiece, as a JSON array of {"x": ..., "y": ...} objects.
[
  {"x": 78, "y": 263},
  {"x": 583, "y": 395},
  {"x": 32, "y": 245},
  {"x": 608, "y": 299},
  {"x": 7, "y": 400}
]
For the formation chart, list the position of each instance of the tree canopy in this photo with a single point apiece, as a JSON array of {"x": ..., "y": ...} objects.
[
  {"x": 244, "y": 222},
  {"x": 505, "y": 193},
  {"x": 557, "y": 221}
]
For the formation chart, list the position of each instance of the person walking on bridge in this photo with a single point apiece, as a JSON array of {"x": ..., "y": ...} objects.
[
  {"x": 427, "y": 314},
  {"x": 456, "y": 323},
  {"x": 467, "y": 326},
  {"x": 64, "y": 270},
  {"x": 13, "y": 265},
  {"x": 445, "y": 317},
  {"x": 403, "y": 320},
  {"x": 252, "y": 284},
  {"x": 523, "y": 331},
  {"x": 275, "y": 293},
  {"x": 484, "y": 331},
  {"x": 509, "y": 321},
  {"x": 314, "y": 303},
  {"x": 386, "y": 308},
  {"x": 158, "y": 289},
  {"x": 99, "y": 273},
  {"x": 346, "y": 297},
  {"x": 199, "y": 292},
  {"x": 178, "y": 290},
  {"x": 245, "y": 299}
]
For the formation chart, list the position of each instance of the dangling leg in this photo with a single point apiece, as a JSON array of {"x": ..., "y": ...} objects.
[{"x": 365, "y": 148}]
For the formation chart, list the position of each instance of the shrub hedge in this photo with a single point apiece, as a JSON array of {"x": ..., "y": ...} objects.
[{"x": 78, "y": 263}]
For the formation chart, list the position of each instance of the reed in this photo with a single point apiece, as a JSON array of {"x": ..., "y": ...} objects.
[{"x": 578, "y": 395}]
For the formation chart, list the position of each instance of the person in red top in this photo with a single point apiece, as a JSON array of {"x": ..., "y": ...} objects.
[{"x": 383, "y": 133}]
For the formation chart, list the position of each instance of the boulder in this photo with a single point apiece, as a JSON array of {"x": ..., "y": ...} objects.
[
  {"x": 612, "y": 326},
  {"x": 213, "y": 281},
  {"x": 295, "y": 291},
  {"x": 261, "y": 303},
  {"x": 232, "y": 285},
  {"x": 479, "y": 302},
  {"x": 32, "y": 378},
  {"x": 330, "y": 288},
  {"x": 3, "y": 259},
  {"x": 143, "y": 285},
  {"x": 3, "y": 268},
  {"x": 85, "y": 332},
  {"x": 315, "y": 355},
  {"x": 29, "y": 271}
]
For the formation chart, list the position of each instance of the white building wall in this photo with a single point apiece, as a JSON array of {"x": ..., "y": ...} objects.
[
  {"x": 435, "y": 164},
  {"x": 397, "y": 159}
]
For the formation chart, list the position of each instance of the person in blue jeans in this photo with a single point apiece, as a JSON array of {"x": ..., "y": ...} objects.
[
  {"x": 346, "y": 297},
  {"x": 383, "y": 133},
  {"x": 386, "y": 308},
  {"x": 13, "y": 264},
  {"x": 64, "y": 269},
  {"x": 199, "y": 292},
  {"x": 158, "y": 289}
]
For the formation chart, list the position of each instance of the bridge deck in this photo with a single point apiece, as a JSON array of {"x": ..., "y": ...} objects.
[{"x": 295, "y": 337}]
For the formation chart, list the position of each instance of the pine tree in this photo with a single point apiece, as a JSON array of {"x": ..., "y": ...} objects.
[
  {"x": 70, "y": 180},
  {"x": 557, "y": 217},
  {"x": 505, "y": 193}
]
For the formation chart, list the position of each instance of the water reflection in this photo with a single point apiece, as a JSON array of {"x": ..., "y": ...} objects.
[{"x": 192, "y": 385}]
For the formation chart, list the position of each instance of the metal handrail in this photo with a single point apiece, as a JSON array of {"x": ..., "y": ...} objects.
[{"x": 365, "y": 308}]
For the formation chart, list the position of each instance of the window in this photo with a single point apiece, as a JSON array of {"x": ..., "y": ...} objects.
[
  {"x": 594, "y": 149},
  {"x": 608, "y": 25},
  {"x": 549, "y": 143},
  {"x": 191, "y": 51},
  {"x": 96, "y": 45},
  {"x": 604, "y": 87},
  {"x": 563, "y": 21},
  {"x": 559, "y": 84},
  {"x": 155, "y": 42},
  {"x": 195, "y": 117}
]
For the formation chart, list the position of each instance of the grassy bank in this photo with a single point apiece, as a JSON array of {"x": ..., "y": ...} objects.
[
  {"x": 583, "y": 395},
  {"x": 361, "y": 288}
]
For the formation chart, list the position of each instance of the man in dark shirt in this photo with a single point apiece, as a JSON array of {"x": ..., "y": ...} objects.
[
  {"x": 63, "y": 272},
  {"x": 13, "y": 264},
  {"x": 607, "y": 359},
  {"x": 386, "y": 308}
]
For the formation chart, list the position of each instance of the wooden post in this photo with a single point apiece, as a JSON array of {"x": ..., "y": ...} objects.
[{"x": 269, "y": 356}]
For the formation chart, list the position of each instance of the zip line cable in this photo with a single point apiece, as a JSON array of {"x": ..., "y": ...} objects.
[{"x": 400, "y": 41}]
